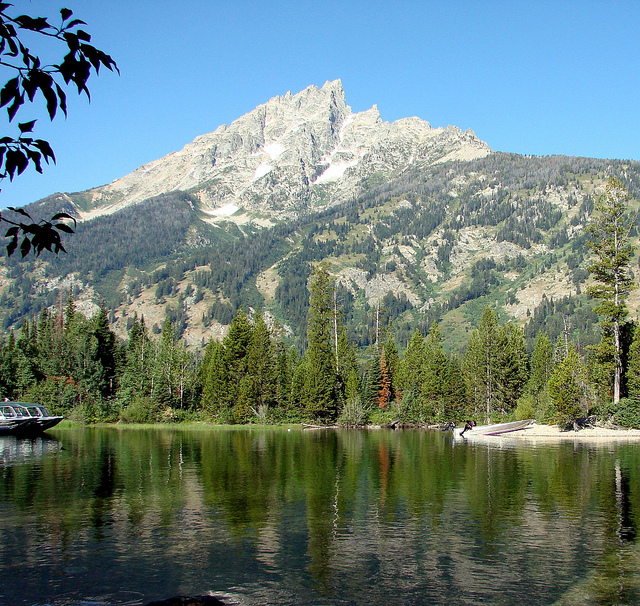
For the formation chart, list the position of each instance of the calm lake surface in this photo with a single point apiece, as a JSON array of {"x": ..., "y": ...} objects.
[{"x": 270, "y": 516}]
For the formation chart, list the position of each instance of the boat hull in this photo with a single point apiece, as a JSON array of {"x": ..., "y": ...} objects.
[
  {"x": 25, "y": 418},
  {"x": 13, "y": 426},
  {"x": 495, "y": 430}
]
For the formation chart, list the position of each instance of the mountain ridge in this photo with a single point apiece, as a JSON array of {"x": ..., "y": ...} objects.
[
  {"x": 429, "y": 223},
  {"x": 295, "y": 152}
]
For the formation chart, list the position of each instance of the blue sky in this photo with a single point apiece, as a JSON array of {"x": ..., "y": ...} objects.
[{"x": 536, "y": 77}]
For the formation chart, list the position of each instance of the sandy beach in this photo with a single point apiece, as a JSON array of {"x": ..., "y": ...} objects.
[{"x": 596, "y": 434}]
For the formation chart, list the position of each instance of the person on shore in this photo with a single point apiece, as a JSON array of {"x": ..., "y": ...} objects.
[{"x": 468, "y": 426}]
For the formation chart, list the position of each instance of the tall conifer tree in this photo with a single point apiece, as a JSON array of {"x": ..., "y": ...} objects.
[
  {"x": 214, "y": 378},
  {"x": 135, "y": 380},
  {"x": 442, "y": 387},
  {"x": 609, "y": 229},
  {"x": 319, "y": 395},
  {"x": 569, "y": 388},
  {"x": 236, "y": 347},
  {"x": 410, "y": 367},
  {"x": 541, "y": 364},
  {"x": 480, "y": 364},
  {"x": 512, "y": 366},
  {"x": 261, "y": 365}
]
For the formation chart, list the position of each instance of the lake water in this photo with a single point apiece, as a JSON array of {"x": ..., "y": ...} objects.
[{"x": 270, "y": 516}]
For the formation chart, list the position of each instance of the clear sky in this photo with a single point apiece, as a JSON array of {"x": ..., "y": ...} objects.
[{"x": 536, "y": 77}]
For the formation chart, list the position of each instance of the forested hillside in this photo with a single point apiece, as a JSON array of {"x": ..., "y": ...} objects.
[
  {"x": 440, "y": 243},
  {"x": 79, "y": 368}
]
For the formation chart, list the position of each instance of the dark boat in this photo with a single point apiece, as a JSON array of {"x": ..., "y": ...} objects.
[
  {"x": 15, "y": 421},
  {"x": 25, "y": 417}
]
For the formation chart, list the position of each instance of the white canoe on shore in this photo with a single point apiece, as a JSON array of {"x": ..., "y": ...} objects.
[{"x": 493, "y": 430}]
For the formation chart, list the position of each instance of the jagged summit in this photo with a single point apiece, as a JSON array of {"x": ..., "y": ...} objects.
[{"x": 293, "y": 153}]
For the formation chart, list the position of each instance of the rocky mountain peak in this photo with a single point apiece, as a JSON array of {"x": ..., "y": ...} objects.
[{"x": 290, "y": 154}]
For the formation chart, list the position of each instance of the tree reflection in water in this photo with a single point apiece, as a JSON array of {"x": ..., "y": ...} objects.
[{"x": 269, "y": 515}]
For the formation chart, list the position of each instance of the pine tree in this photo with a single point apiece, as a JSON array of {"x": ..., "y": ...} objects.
[
  {"x": 353, "y": 387},
  {"x": 164, "y": 369},
  {"x": 347, "y": 362},
  {"x": 319, "y": 393},
  {"x": 609, "y": 230},
  {"x": 541, "y": 365},
  {"x": 135, "y": 380},
  {"x": 103, "y": 354},
  {"x": 284, "y": 375},
  {"x": 373, "y": 379},
  {"x": 480, "y": 364},
  {"x": 185, "y": 376},
  {"x": 8, "y": 367},
  {"x": 26, "y": 356},
  {"x": 633, "y": 367},
  {"x": 214, "y": 379},
  {"x": 236, "y": 346},
  {"x": 261, "y": 364},
  {"x": 569, "y": 388},
  {"x": 384, "y": 393},
  {"x": 512, "y": 366},
  {"x": 495, "y": 365},
  {"x": 392, "y": 360},
  {"x": 442, "y": 388},
  {"x": 410, "y": 367}
]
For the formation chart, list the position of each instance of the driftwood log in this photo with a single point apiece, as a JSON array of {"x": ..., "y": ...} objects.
[{"x": 581, "y": 423}]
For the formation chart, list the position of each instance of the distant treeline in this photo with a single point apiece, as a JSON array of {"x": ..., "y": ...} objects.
[{"x": 79, "y": 368}]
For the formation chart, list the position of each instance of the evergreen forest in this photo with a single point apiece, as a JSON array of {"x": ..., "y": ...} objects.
[
  {"x": 400, "y": 306},
  {"x": 80, "y": 368}
]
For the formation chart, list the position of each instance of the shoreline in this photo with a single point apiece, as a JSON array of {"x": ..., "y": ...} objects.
[{"x": 554, "y": 433}]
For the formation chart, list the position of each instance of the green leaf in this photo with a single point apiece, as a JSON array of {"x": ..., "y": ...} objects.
[
  {"x": 36, "y": 24},
  {"x": 65, "y": 13},
  {"x": 25, "y": 247},
  {"x": 26, "y": 127},
  {"x": 11, "y": 247},
  {"x": 65, "y": 228},
  {"x": 20, "y": 211},
  {"x": 58, "y": 216}
]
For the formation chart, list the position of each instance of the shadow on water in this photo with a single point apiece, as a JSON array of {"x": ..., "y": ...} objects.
[{"x": 269, "y": 516}]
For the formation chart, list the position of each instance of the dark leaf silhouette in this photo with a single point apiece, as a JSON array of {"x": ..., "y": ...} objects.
[{"x": 35, "y": 75}]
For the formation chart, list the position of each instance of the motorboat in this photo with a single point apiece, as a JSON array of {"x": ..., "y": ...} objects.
[
  {"x": 25, "y": 417},
  {"x": 44, "y": 419},
  {"x": 15, "y": 421},
  {"x": 494, "y": 430}
]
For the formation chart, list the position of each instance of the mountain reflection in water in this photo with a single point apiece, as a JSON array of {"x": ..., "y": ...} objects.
[{"x": 270, "y": 516}]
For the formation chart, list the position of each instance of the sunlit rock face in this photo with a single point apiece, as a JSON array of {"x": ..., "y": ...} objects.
[{"x": 293, "y": 154}]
